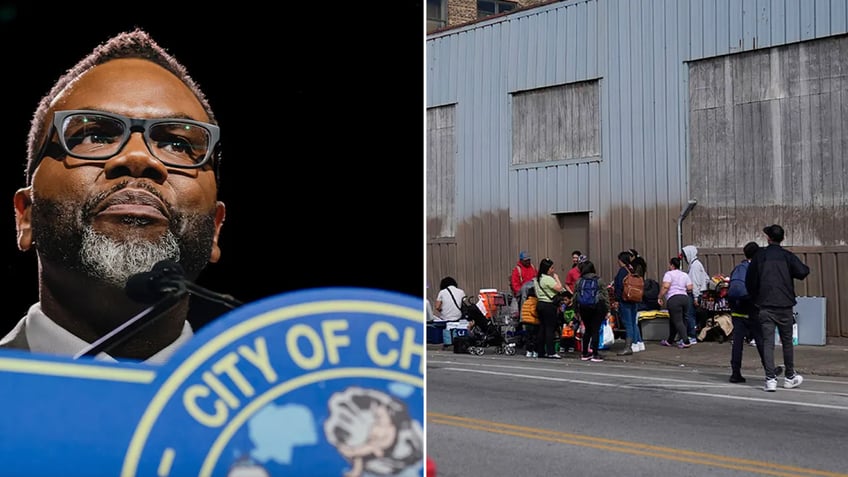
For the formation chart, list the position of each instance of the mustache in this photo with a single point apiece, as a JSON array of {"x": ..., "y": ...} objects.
[{"x": 93, "y": 205}]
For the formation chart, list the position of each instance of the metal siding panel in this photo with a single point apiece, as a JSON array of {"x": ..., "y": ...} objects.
[
  {"x": 582, "y": 43},
  {"x": 777, "y": 13},
  {"x": 838, "y": 16},
  {"x": 678, "y": 105},
  {"x": 641, "y": 95},
  {"x": 710, "y": 31},
  {"x": 749, "y": 24},
  {"x": 822, "y": 14},
  {"x": 696, "y": 28},
  {"x": 594, "y": 41},
  {"x": 551, "y": 48},
  {"x": 537, "y": 51},
  {"x": 655, "y": 182},
  {"x": 571, "y": 59},
  {"x": 808, "y": 20},
  {"x": 722, "y": 27},
  {"x": 793, "y": 20},
  {"x": 563, "y": 47},
  {"x": 763, "y": 23},
  {"x": 735, "y": 26}
]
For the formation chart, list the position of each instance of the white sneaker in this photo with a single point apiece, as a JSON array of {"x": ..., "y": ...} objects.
[
  {"x": 641, "y": 346},
  {"x": 535, "y": 354},
  {"x": 635, "y": 347},
  {"x": 529, "y": 354},
  {"x": 793, "y": 382},
  {"x": 771, "y": 385}
]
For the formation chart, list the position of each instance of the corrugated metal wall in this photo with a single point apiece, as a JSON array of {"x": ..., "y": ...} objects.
[{"x": 634, "y": 193}]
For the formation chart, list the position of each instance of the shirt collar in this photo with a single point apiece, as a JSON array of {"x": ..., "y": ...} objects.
[{"x": 45, "y": 336}]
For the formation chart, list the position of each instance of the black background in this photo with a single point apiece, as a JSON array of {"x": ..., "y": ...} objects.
[{"x": 321, "y": 115}]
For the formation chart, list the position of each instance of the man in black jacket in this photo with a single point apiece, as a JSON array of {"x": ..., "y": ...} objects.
[
  {"x": 770, "y": 283},
  {"x": 746, "y": 324}
]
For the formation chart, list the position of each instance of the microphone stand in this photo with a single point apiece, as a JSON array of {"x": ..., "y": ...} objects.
[
  {"x": 136, "y": 323},
  {"x": 224, "y": 299}
]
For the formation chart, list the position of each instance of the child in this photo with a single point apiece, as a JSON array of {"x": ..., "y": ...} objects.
[{"x": 530, "y": 323}]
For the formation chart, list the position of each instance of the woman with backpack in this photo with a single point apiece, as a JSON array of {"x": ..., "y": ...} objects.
[
  {"x": 629, "y": 286},
  {"x": 547, "y": 287},
  {"x": 592, "y": 301}
]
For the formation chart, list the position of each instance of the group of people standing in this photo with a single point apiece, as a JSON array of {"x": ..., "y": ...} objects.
[
  {"x": 545, "y": 295},
  {"x": 761, "y": 299},
  {"x": 766, "y": 304}
]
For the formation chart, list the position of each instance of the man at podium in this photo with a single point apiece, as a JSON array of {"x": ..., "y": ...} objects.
[{"x": 121, "y": 174}]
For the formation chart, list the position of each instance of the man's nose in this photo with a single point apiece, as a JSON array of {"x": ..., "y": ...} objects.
[{"x": 136, "y": 160}]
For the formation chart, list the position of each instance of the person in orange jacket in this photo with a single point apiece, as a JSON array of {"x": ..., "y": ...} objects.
[{"x": 530, "y": 323}]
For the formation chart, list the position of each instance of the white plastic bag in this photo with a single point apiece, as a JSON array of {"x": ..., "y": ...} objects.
[{"x": 606, "y": 336}]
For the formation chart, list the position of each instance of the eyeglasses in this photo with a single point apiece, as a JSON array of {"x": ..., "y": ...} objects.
[{"x": 98, "y": 136}]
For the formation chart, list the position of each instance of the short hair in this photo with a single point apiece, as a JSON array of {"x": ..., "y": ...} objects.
[
  {"x": 750, "y": 249},
  {"x": 576, "y": 252},
  {"x": 130, "y": 44},
  {"x": 774, "y": 232},
  {"x": 675, "y": 262},
  {"x": 447, "y": 282}
]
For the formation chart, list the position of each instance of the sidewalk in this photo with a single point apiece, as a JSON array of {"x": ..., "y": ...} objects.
[{"x": 828, "y": 360}]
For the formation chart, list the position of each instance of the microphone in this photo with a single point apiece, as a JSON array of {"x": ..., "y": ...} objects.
[
  {"x": 168, "y": 276},
  {"x": 163, "y": 286}
]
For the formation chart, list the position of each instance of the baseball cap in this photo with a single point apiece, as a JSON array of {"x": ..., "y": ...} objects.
[
  {"x": 524, "y": 255},
  {"x": 774, "y": 232}
]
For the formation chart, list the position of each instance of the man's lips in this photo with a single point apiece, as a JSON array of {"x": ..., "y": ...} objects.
[{"x": 133, "y": 203}]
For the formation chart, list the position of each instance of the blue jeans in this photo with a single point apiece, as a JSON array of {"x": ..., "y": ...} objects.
[
  {"x": 627, "y": 313},
  {"x": 691, "y": 319}
]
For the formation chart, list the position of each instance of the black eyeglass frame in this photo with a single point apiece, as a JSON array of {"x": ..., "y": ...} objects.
[{"x": 131, "y": 125}]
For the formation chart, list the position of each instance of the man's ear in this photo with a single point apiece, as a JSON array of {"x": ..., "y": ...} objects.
[
  {"x": 23, "y": 217},
  {"x": 220, "y": 215}
]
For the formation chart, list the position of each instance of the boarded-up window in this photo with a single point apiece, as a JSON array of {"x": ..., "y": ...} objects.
[
  {"x": 556, "y": 123},
  {"x": 441, "y": 172},
  {"x": 769, "y": 143}
]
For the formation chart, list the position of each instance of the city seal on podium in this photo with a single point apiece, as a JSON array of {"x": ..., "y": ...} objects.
[{"x": 318, "y": 382}]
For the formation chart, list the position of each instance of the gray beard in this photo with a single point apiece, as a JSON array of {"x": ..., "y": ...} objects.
[
  {"x": 63, "y": 235},
  {"x": 113, "y": 262}
]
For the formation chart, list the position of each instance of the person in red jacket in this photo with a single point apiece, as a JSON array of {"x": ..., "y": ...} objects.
[
  {"x": 523, "y": 272},
  {"x": 573, "y": 274}
]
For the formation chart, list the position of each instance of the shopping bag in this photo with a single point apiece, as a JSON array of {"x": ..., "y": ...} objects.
[
  {"x": 777, "y": 341},
  {"x": 606, "y": 336}
]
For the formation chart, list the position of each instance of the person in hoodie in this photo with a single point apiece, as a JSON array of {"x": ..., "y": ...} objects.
[{"x": 700, "y": 278}]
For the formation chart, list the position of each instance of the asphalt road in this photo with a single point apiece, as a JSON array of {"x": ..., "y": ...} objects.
[{"x": 494, "y": 415}]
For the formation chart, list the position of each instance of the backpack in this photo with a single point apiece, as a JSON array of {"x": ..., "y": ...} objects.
[
  {"x": 588, "y": 293},
  {"x": 651, "y": 294},
  {"x": 634, "y": 288},
  {"x": 737, "y": 290}
]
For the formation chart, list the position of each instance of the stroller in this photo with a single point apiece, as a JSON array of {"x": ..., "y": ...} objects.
[{"x": 498, "y": 332}]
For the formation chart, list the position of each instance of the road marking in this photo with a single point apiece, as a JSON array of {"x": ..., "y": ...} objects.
[
  {"x": 628, "y": 386},
  {"x": 626, "y": 447}
]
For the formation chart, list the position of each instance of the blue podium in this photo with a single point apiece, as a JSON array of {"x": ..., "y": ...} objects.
[{"x": 312, "y": 383}]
